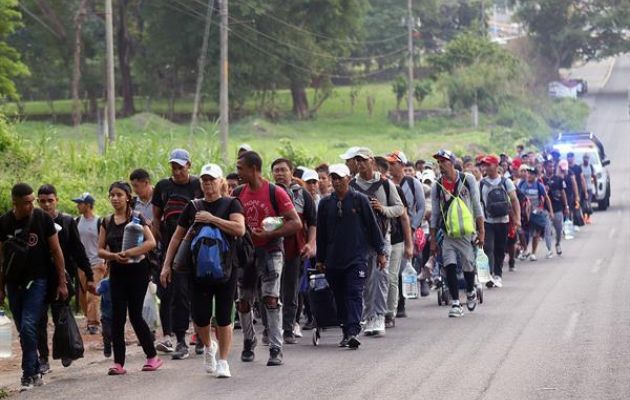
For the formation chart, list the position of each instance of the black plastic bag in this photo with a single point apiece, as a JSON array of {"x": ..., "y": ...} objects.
[
  {"x": 578, "y": 217},
  {"x": 67, "y": 340}
]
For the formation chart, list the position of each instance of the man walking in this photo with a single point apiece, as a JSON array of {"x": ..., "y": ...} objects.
[
  {"x": 28, "y": 240},
  {"x": 347, "y": 232},
  {"x": 456, "y": 247},
  {"x": 260, "y": 200}
]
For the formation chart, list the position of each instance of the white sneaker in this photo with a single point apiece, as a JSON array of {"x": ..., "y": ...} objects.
[
  {"x": 456, "y": 311},
  {"x": 210, "y": 358},
  {"x": 532, "y": 257},
  {"x": 498, "y": 282},
  {"x": 369, "y": 327},
  {"x": 223, "y": 369},
  {"x": 549, "y": 255},
  {"x": 379, "y": 325},
  {"x": 297, "y": 331}
]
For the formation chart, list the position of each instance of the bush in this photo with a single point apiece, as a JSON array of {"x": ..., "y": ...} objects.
[
  {"x": 297, "y": 154},
  {"x": 566, "y": 115}
]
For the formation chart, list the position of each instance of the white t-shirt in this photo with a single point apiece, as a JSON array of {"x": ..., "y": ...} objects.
[{"x": 88, "y": 231}]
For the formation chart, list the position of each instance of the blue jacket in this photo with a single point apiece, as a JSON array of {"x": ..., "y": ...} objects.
[{"x": 345, "y": 237}]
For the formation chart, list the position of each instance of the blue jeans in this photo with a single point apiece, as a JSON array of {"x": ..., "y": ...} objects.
[{"x": 27, "y": 303}]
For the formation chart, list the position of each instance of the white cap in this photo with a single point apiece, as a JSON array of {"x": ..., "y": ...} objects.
[
  {"x": 310, "y": 175},
  {"x": 245, "y": 147},
  {"x": 428, "y": 175},
  {"x": 339, "y": 169},
  {"x": 212, "y": 170},
  {"x": 350, "y": 153}
]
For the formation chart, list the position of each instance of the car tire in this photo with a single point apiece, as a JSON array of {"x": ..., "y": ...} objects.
[{"x": 603, "y": 205}]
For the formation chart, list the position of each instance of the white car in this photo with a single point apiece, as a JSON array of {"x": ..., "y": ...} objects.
[{"x": 580, "y": 144}]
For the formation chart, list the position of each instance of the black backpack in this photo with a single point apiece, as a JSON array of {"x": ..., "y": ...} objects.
[
  {"x": 16, "y": 253},
  {"x": 498, "y": 201}
]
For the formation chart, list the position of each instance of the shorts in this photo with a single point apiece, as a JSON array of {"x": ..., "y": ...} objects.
[
  {"x": 203, "y": 296},
  {"x": 462, "y": 250}
]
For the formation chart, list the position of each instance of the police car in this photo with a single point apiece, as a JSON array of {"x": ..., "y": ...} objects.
[{"x": 580, "y": 143}]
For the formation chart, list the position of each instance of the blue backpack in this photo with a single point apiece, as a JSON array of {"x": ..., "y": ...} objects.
[{"x": 209, "y": 250}]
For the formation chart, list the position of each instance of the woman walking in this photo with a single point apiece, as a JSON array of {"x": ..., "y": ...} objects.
[
  {"x": 226, "y": 214},
  {"x": 129, "y": 277}
]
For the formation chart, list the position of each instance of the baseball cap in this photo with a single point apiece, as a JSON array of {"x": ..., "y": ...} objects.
[
  {"x": 490, "y": 160},
  {"x": 530, "y": 169},
  {"x": 245, "y": 146},
  {"x": 349, "y": 154},
  {"x": 364, "y": 153},
  {"x": 397, "y": 156},
  {"x": 339, "y": 170},
  {"x": 211, "y": 170},
  {"x": 445, "y": 154},
  {"x": 428, "y": 175},
  {"x": 84, "y": 198},
  {"x": 310, "y": 175},
  {"x": 179, "y": 156},
  {"x": 516, "y": 163}
]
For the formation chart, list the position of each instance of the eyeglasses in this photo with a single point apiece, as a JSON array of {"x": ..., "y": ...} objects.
[
  {"x": 335, "y": 177},
  {"x": 339, "y": 209}
]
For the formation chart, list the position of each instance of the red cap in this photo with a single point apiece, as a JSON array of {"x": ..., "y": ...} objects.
[
  {"x": 490, "y": 159},
  {"x": 516, "y": 163}
]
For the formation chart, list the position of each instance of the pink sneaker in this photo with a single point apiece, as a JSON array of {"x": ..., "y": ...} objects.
[
  {"x": 152, "y": 364},
  {"x": 116, "y": 369}
]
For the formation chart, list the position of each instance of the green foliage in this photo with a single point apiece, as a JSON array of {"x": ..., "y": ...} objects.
[
  {"x": 422, "y": 90},
  {"x": 10, "y": 65},
  {"x": 399, "y": 87},
  {"x": 566, "y": 114},
  {"x": 297, "y": 154}
]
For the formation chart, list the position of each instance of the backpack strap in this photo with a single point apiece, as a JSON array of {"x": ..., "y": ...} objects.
[
  {"x": 410, "y": 182},
  {"x": 272, "y": 198}
]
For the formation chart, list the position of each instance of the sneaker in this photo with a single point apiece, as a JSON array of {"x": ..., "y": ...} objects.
[
  {"x": 532, "y": 257},
  {"x": 210, "y": 357},
  {"x": 44, "y": 367},
  {"x": 289, "y": 337},
  {"x": 353, "y": 342},
  {"x": 66, "y": 362},
  {"x": 456, "y": 311},
  {"x": 265, "y": 338},
  {"x": 92, "y": 330},
  {"x": 297, "y": 331},
  {"x": 275, "y": 357},
  {"x": 471, "y": 300},
  {"x": 390, "y": 322},
  {"x": 424, "y": 288},
  {"x": 37, "y": 380},
  {"x": 498, "y": 281},
  {"x": 107, "y": 350},
  {"x": 549, "y": 255},
  {"x": 247, "y": 355},
  {"x": 369, "y": 327},
  {"x": 181, "y": 351},
  {"x": 165, "y": 346},
  {"x": 223, "y": 369},
  {"x": 29, "y": 382},
  {"x": 558, "y": 250},
  {"x": 379, "y": 325},
  {"x": 199, "y": 347},
  {"x": 344, "y": 342},
  {"x": 490, "y": 283}
]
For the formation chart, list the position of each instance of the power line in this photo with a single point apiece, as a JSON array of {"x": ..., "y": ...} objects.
[{"x": 270, "y": 15}]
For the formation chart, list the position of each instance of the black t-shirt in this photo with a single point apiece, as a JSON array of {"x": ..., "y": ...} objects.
[
  {"x": 188, "y": 216},
  {"x": 172, "y": 198},
  {"x": 42, "y": 228},
  {"x": 556, "y": 186},
  {"x": 577, "y": 171},
  {"x": 568, "y": 187},
  {"x": 397, "y": 234}
]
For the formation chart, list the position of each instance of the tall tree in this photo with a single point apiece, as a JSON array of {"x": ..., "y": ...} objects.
[
  {"x": 125, "y": 52},
  {"x": 11, "y": 67},
  {"x": 79, "y": 19},
  {"x": 567, "y": 30}
]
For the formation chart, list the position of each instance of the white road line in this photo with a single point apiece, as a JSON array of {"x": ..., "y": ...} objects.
[
  {"x": 571, "y": 325},
  {"x": 597, "y": 266},
  {"x": 612, "y": 233}
]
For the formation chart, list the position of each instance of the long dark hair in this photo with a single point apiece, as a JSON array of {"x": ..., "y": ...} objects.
[{"x": 125, "y": 187}]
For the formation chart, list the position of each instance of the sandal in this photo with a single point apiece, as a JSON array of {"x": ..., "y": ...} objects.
[
  {"x": 152, "y": 364},
  {"x": 117, "y": 369}
]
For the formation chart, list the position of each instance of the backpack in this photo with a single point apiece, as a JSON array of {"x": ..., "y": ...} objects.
[
  {"x": 410, "y": 182},
  {"x": 369, "y": 192},
  {"x": 498, "y": 201},
  {"x": 210, "y": 250},
  {"x": 16, "y": 253},
  {"x": 458, "y": 219}
]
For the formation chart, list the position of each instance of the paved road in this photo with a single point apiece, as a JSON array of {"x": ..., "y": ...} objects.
[{"x": 557, "y": 330}]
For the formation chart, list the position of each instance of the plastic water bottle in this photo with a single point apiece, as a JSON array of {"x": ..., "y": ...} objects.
[
  {"x": 409, "y": 282},
  {"x": 483, "y": 267},
  {"x": 569, "y": 229},
  {"x": 6, "y": 335},
  {"x": 133, "y": 237}
]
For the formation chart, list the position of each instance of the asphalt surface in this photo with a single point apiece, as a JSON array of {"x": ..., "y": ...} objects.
[{"x": 558, "y": 329}]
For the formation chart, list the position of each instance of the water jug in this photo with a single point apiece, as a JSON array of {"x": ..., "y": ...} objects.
[
  {"x": 133, "y": 237},
  {"x": 6, "y": 335},
  {"x": 409, "y": 282}
]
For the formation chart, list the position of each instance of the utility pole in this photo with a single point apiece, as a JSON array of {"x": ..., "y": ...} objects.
[
  {"x": 223, "y": 88},
  {"x": 201, "y": 67},
  {"x": 111, "y": 94},
  {"x": 410, "y": 110}
]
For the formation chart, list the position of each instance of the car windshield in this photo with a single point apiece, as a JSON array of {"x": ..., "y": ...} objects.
[{"x": 579, "y": 154}]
